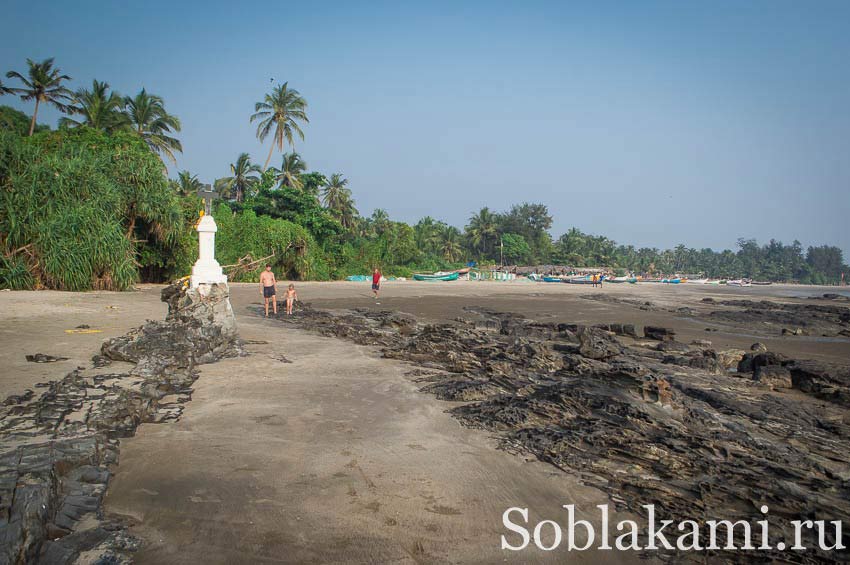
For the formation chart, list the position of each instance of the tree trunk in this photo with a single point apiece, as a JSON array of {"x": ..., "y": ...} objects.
[
  {"x": 131, "y": 228},
  {"x": 269, "y": 158},
  {"x": 34, "y": 114}
]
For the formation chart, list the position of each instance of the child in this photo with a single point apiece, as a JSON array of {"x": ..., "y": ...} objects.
[{"x": 290, "y": 296}]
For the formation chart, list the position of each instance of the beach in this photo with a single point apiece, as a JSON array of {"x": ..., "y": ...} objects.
[{"x": 313, "y": 448}]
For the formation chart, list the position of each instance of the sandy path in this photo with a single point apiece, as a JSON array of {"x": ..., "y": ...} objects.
[{"x": 334, "y": 457}]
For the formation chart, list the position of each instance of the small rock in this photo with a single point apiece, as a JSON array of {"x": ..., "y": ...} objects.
[
  {"x": 43, "y": 358},
  {"x": 730, "y": 358},
  {"x": 774, "y": 376},
  {"x": 701, "y": 343},
  {"x": 758, "y": 346},
  {"x": 658, "y": 333}
]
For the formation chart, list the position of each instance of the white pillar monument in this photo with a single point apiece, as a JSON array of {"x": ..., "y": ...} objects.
[{"x": 206, "y": 269}]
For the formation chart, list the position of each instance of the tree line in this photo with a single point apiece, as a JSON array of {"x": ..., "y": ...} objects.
[{"x": 89, "y": 205}]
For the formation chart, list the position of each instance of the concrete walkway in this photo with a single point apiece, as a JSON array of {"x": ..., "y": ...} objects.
[{"x": 331, "y": 457}]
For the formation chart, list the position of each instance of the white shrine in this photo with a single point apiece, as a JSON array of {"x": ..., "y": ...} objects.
[{"x": 206, "y": 269}]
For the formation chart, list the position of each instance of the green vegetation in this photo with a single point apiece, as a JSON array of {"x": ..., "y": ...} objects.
[
  {"x": 81, "y": 209},
  {"x": 90, "y": 206}
]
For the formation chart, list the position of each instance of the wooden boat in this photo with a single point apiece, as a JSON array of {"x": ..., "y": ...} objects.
[
  {"x": 739, "y": 282},
  {"x": 579, "y": 280},
  {"x": 436, "y": 277},
  {"x": 697, "y": 281},
  {"x": 630, "y": 280},
  {"x": 553, "y": 279},
  {"x": 671, "y": 281}
]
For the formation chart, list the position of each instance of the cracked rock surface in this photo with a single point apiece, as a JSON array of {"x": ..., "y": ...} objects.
[
  {"x": 649, "y": 420},
  {"x": 56, "y": 447}
]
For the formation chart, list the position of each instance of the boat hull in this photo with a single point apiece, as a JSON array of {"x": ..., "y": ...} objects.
[{"x": 446, "y": 277}]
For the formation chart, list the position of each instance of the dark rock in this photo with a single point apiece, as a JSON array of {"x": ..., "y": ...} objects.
[
  {"x": 774, "y": 376},
  {"x": 43, "y": 358},
  {"x": 597, "y": 344},
  {"x": 55, "y": 449},
  {"x": 659, "y": 333},
  {"x": 672, "y": 346}
]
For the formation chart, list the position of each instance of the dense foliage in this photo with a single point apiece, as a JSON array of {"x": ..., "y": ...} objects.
[{"x": 81, "y": 209}]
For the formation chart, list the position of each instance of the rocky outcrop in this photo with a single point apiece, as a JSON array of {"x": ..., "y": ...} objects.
[
  {"x": 666, "y": 425},
  {"x": 56, "y": 447}
]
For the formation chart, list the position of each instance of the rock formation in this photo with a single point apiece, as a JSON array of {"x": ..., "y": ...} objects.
[
  {"x": 649, "y": 421},
  {"x": 56, "y": 448}
]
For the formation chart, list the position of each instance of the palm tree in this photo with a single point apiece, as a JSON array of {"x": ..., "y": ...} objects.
[
  {"x": 281, "y": 110},
  {"x": 146, "y": 113},
  {"x": 44, "y": 84},
  {"x": 380, "y": 221},
  {"x": 347, "y": 213},
  {"x": 244, "y": 176},
  {"x": 335, "y": 193},
  {"x": 482, "y": 229},
  {"x": 99, "y": 108},
  {"x": 187, "y": 184},
  {"x": 293, "y": 165},
  {"x": 451, "y": 248},
  {"x": 5, "y": 89}
]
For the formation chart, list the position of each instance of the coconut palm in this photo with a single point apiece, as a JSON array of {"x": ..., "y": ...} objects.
[
  {"x": 244, "y": 177},
  {"x": 281, "y": 110},
  {"x": 148, "y": 118},
  {"x": 335, "y": 193},
  {"x": 44, "y": 83},
  {"x": 482, "y": 229},
  {"x": 187, "y": 184},
  {"x": 99, "y": 108},
  {"x": 451, "y": 248},
  {"x": 288, "y": 175},
  {"x": 347, "y": 213},
  {"x": 5, "y": 89},
  {"x": 380, "y": 221}
]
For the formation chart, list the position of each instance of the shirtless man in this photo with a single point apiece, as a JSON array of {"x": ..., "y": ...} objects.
[{"x": 267, "y": 282}]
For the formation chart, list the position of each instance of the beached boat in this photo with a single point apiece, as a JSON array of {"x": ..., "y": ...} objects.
[
  {"x": 436, "y": 276},
  {"x": 579, "y": 280},
  {"x": 697, "y": 281},
  {"x": 671, "y": 281},
  {"x": 630, "y": 280},
  {"x": 739, "y": 282},
  {"x": 553, "y": 279}
]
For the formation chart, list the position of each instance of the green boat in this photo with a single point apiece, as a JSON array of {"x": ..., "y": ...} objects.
[{"x": 436, "y": 277}]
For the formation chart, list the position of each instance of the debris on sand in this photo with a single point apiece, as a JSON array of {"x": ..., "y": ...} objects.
[
  {"x": 55, "y": 449},
  {"x": 649, "y": 421},
  {"x": 44, "y": 358}
]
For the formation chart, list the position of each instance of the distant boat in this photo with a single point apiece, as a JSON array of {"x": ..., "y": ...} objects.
[
  {"x": 553, "y": 279},
  {"x": 697, "y": 281},
  {"x": 671, "y": 281},
  {"x": 739, "y": 282},
  {"x": 630, "y": 280},
  {"x": 436, "y": 276},
  {"x": 579, "y": 280}
]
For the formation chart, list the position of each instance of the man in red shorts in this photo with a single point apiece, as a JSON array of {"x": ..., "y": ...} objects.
[{"x": 376, "y": 282}]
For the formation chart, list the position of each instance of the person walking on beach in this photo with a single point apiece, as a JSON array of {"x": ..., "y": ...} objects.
[
  {"x": 593, "y": 279},
  {"x": 290, "y": 296},
  {"x": 267, "y": 282},
  {"x": 376, "y": 282}
]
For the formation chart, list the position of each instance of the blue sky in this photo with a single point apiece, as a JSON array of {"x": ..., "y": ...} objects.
[{"x": 654, "y": 123}]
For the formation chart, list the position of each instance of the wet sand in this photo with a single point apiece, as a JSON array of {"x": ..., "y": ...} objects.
[{"x": 336, "y": 456}]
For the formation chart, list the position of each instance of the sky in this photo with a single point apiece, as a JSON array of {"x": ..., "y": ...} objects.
[{"x": 654, "y": 123}]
